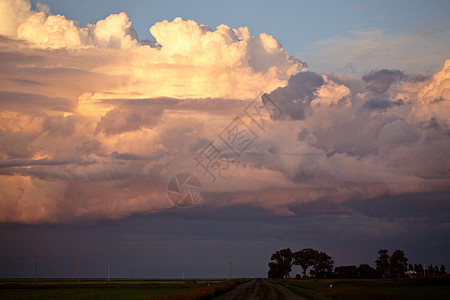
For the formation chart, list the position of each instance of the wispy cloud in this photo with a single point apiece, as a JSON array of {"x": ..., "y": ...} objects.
[{"x": 374, "y": 49}]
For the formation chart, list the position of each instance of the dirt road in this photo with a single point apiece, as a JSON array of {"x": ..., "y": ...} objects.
[{"x": 258, "y": 289}]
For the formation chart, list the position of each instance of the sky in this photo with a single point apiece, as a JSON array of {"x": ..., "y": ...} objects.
[{"x": 173, "y": 137}]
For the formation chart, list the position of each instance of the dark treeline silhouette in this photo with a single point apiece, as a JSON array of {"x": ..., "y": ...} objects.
[
  {"x": 282, "y": 261},
  {"x": 393, "y": 266},
  {"x": 320, "y": 265},
  {"x": 419, "y": 269},
  {"x": 396, "y": 266},
  {"x": 363, "y": 271}
]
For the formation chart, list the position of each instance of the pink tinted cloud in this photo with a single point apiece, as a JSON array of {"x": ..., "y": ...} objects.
[{"x": 94, "y": 123}]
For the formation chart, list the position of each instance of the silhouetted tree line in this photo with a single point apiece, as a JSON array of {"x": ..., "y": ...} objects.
[
  {"x": 282, "y": 261},
  {"x": 436, "y": 270},
  {"x": 418, "y": 268},
  {"x": 363, "y": 271},
  {"x": 395, "y": 265},
  {"x": 320, "y": 265}
]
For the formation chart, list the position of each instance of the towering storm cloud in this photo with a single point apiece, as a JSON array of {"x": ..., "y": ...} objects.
[{"x": 95, "y": 122}]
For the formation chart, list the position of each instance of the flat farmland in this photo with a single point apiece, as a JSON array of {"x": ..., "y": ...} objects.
[
  {"x": 419, "y": 288},
  {"x": 99, "y": 288}
]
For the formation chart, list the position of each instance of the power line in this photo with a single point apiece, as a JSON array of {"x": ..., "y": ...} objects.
[{"x": 35, "y": 269}]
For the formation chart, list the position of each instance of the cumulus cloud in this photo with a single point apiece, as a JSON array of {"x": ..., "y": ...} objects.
[
  {"x": 433, "y": 98},
  {"x": 56, "y": 31},
  {"x": 12, "y": 14},
  {"x": 181, "y": 62},
  {"x": 94, "y": 123},
  {"x": 295, "y": 98},
  {"x": 378, "y": 82},
  {"x": 377, "y": 103}
]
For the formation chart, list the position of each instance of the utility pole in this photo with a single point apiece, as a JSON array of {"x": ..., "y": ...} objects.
[
  {"x": 35, "y": 269},
  {"x": 183, "y": 274},
  {"x": 78, "y": 271},
  {"x": 131, "y": 273},
  {"x": 230, "y": 270},
  {"x": 108, "y": 272}
]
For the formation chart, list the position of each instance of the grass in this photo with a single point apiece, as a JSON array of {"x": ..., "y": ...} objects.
[
  {"x": 198, "y": 289},
  {"x": 101, "y": 289},
  {"x": 206, "y": 292},
  {"x": 418, "y": 288}
]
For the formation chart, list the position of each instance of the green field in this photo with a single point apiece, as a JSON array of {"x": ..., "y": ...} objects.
[
  {"x": 419, "y": 288},
  {"x": 98, "y": 288}
]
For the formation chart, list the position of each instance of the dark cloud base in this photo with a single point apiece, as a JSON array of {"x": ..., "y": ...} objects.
[{"x": 202, "y": 241}]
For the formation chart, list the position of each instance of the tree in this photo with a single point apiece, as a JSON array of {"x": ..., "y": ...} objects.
[
  {"x": 346, "y": 272},
  {"x": 398, "y": 263},
  {"x": 322, "y": 265},
  {"x": 281, "y": 263},
  {"x": 366, "y": 271},
  {"x": 305, "y": 259},
  {"x": 436, "y": 270},
  {"x": 275, "y": 271},
  {"x": 418, "y": 268},
  {"x": 430, "y": 269},
  {"x": 442, "y": 270},
  {"x": 363, "y": 271},
  {"x": 382, "y": 262}
]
